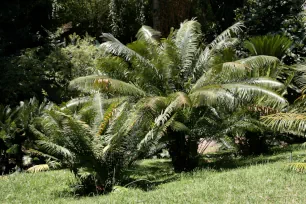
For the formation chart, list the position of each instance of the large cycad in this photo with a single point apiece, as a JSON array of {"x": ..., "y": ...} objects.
[
  {"x": 85, "y": 135},
  {"x": 178, "y": 79}
]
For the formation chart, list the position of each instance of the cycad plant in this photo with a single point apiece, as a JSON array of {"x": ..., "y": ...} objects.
[
  {"x": 177, "y": 82},
  {"x": 84, "y": 136},
  {"x": 293, "y": 119},
  {"x": 17, "y": 133},
  {"x": 272, "y": 45}
]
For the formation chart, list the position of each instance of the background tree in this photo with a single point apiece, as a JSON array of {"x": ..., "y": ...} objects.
[{"x": 276, "y": 17}]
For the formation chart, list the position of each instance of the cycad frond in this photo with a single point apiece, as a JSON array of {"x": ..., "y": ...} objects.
[
  {"x": 294, "y": 123},
  {"x": 38, "y": 168},
  {"x": 247, "y": 92},
  {"x": 154, "y": 135},
  {"x": 299, "y": 167},
  {"x": 148, "y": 34},
  {"x": 227, "y": 34},
  {"x": 222, "y": 73},
  {"x": 179, "y": 100},
  {"x": 97, "y": 104},
  {"x": 38, "y": 135},
  {"x": 235, "y": 94},
  {"x": 116, "y": 129},
  {"x": 244, "y": 125},
  {"x": 156, "y": 103},
  {"x": 272, "y": 45},
  {"x": 266, "y": 82},
  {"x": 107, "y": 117},
  {"x": 73, "y": 103},
  {"x": 54, "y": 149},
  {"x": 211, "y": 96},
  {"x": 222, "y": 41},
  {"x": 203, "y": 60},
  {"x": 106, "y": 85},
  {"x": 300, "y": 78},
  {"x": 34, "y": 152},
  {"x": 187, "y": 40},
  {"x": 231, "y": 42},
  {"x": 259, "y": 61},
  {"x": 262, "y": 65},
  {"x": 114, "y": 46}
]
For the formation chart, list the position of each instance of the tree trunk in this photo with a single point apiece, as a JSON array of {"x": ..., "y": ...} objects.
[
  {"x": 183, "y": 152},
  {"x": 156, "y": 15},
  {"x": 252, "y": 144}
]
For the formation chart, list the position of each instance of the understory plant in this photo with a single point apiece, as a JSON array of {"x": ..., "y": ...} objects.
[{"x": 18, "y": 134}]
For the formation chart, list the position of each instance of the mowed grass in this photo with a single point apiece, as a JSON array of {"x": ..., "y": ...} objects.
[{"x": 262, "y": 179}]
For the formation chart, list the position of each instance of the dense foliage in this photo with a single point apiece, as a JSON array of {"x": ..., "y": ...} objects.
[{"x": 103, "y": 97}]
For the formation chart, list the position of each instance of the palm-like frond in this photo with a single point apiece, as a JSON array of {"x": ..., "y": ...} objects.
[
  {"x": 251, "y": 92},
  {"x": 54, "y": 149},
  {"x": 235, "y": 94},
  {"x": 222, "y": 41},
  {"x": 227, "y": 34},
  {"x": 156, "y": 103},
  {"x": 34, "y": 152},
  {"x": 267, "y": 82},
  {"x": 262, "y": 65},
  {"x": 154, "y": 135},
  {"x": 242, "y": 125},
  {"x": 38, "y": 168},
  {"x": 38, "y": 135},
  {"x": 97, "y": 104},
  {"x": 180, "y": 100},
  {"x": 187, "y": 41},
  {"x": 116, "y": 130},
  {"x": 73, "y": 103},
  {"x": 294, "y": 123},
  {"x": 272, "y": 45},
  {"x": 106, "y": 85},
  {"x": 114, "y": 46},
  {"x": 223, "y": 73},
  {"x": 148, "y": 34},
  {"x": 107, "y": 117},
  {"x": 212, "y": 95},
  {"x": 228, "y": 43}
]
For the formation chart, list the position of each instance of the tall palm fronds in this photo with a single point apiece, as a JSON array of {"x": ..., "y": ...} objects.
[{"x": 294, "y": 123}]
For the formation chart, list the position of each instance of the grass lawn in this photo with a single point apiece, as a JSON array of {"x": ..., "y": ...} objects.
[{"x": 261, "y": 179}]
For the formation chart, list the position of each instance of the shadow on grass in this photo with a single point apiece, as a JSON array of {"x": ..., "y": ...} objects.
[
  {"x": 145, "y": 175},
  {"x": 148, "y": 174},
  {"x": 228, "y": 160}
]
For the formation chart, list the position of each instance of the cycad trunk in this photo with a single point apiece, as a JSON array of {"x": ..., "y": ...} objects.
[
  {"x": 252, "y": 144},
  {"x": 183, "y": 151}
]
